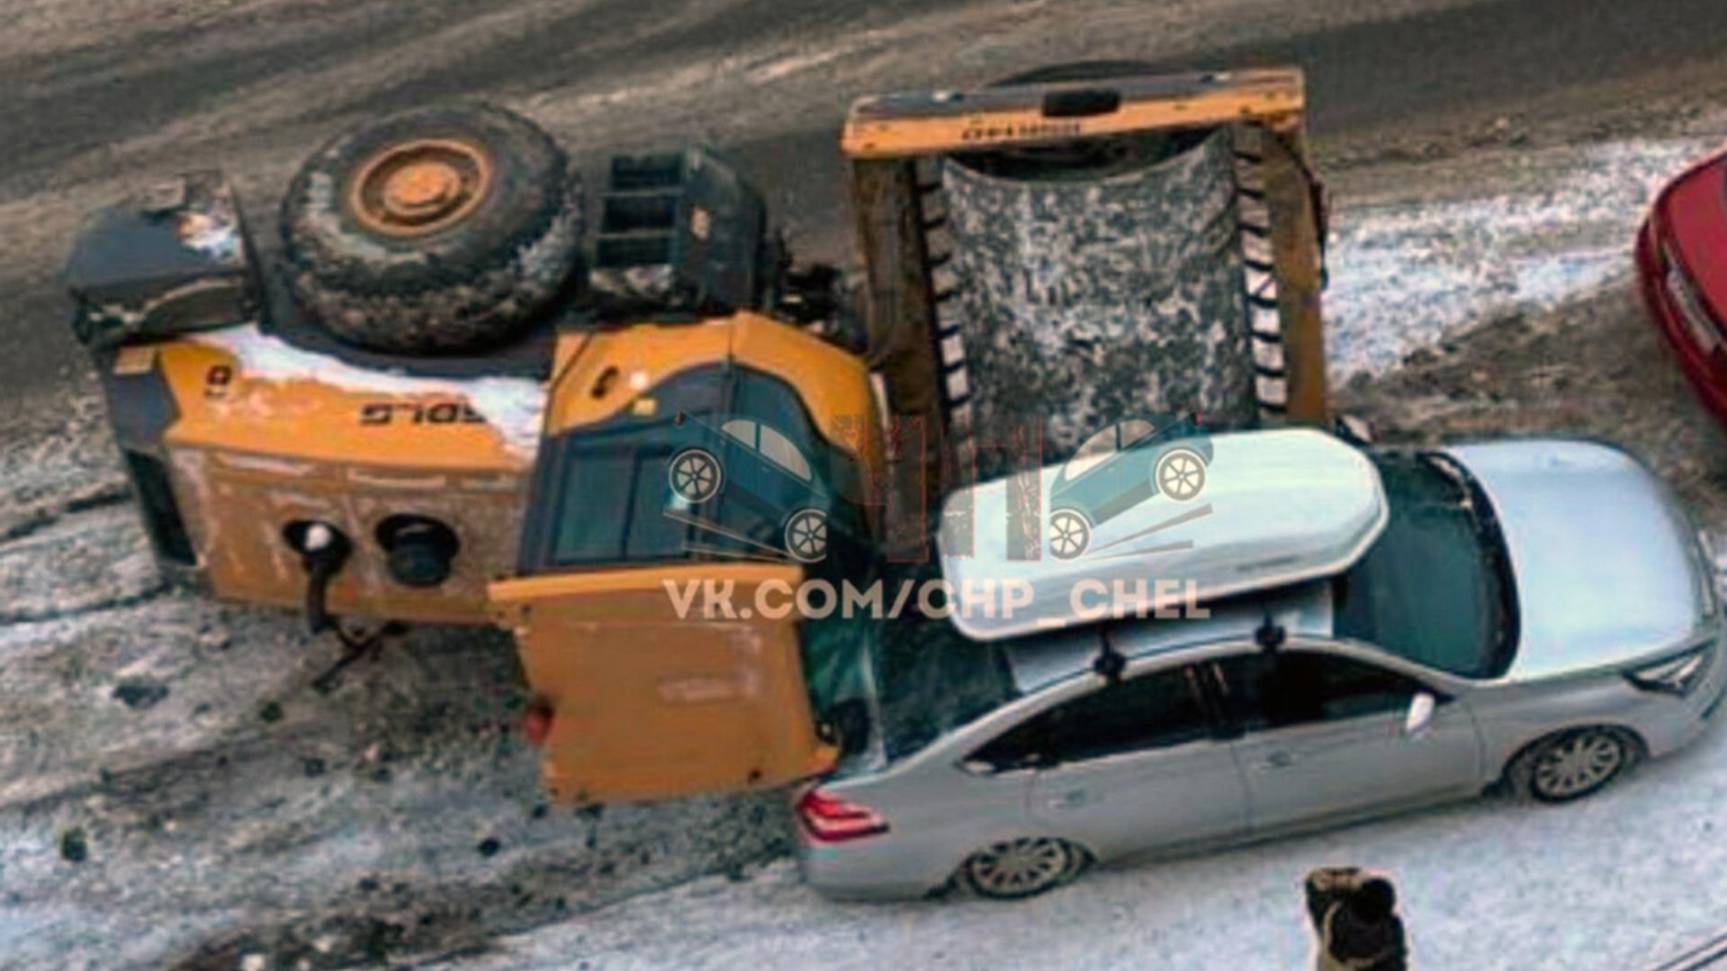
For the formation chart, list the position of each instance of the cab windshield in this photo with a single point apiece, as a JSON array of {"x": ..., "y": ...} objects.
[
  {"x": 1435, "y": 587},
  {"x": 604, "y": 496},
  {"x": 612, "y": 507}
]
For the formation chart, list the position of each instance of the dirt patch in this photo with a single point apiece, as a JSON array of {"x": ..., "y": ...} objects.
[
  {"x": 1595, "y": 368},
  {"x": 175, "y": 792}
]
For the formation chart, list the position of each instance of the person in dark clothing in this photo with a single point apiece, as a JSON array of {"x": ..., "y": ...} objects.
[{"x": 1354, "y": 915}]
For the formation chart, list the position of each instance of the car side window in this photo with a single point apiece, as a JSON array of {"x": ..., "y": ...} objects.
[
  {"x": 1155, "y": 710},
  {"x": 1287, "y": 688}
]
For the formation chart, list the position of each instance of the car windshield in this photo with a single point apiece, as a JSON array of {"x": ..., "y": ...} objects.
[{"x": 1434, "y": 587}]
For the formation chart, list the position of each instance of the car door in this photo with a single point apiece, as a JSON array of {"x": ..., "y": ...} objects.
[
  {"x": 648, "y": 697},
  {"x": 1324, "y": 735},
  {"x": 1127, "y": 766}
]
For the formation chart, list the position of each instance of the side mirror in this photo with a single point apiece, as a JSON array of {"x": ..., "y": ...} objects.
[{"x": 1420, "y": 717}]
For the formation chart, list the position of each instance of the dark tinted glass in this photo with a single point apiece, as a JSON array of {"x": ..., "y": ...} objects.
[
  {"x": 1300, "y": 687},
  {"x": 612, "y": 507},
  {"x": 1151, "y": 711}
]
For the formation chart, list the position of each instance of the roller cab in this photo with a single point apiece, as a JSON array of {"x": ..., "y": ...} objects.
[{"x": 692, "y": 480}]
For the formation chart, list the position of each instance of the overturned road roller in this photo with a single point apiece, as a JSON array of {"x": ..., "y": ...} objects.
[{"x": 450, "y": 397}]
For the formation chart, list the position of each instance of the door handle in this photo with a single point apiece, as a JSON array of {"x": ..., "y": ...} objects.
[{"x": 1278, "y": 760}]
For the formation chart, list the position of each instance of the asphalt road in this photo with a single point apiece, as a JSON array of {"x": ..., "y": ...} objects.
[
  {"x": 108, "y": 94},
  {"x": 225, "y": 813}
]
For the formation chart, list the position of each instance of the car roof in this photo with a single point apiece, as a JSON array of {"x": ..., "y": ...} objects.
[
  {"x": 1278, "y": 508},
  {"x": 1037, "y": 662}
]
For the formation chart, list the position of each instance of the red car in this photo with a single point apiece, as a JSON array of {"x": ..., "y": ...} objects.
[{"x": 1682, "y": 262}]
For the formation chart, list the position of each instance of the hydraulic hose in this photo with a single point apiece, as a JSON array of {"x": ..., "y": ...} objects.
[{"x": 323, "y": 552}]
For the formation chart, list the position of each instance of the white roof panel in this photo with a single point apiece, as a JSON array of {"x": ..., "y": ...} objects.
[{"x": 1276, "y": 507}]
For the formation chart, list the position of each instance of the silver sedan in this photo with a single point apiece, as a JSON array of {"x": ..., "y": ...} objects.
[{"x": 1535, "y": 615}]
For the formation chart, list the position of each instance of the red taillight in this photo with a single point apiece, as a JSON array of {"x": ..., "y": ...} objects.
[
  {"x": 537, "y": 723},
  {"x": 829, "y": 819}
]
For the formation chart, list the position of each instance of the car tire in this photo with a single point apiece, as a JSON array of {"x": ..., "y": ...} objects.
[
  {"x": 1569, "y": 765},
  {"x": 1015, "y": 869},
  {"x": 438, "y": 230}
]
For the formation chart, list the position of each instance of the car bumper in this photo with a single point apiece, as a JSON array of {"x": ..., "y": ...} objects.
[
  {"x": 873, "y": 868},
  {"x": 1681, "y": 721},
  {"x": 899, "y": 864},
  {"x": 1693, "y": 361}
]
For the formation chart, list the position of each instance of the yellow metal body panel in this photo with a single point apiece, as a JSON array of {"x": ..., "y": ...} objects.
[
  {"x": 224, "y": 406},
  {"x": 251, "y": 453},
  {"x": 651, "y": 705},
  {"x": 896, "y": 126},
  {"x": 604, "y": 373}
]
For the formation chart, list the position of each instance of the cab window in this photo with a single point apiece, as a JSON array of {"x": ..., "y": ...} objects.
[
  {"x": 601, "y": 491},
  {"x": 1152, "y": 711},
  {"x": 1290, "y": 688},
  {"x": 623, "y": 474}
]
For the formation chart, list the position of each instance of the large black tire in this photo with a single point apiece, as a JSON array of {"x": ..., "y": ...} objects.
[{"x": 447, "y": 287}]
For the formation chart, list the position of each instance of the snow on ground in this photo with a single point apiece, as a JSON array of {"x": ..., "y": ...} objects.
[
  {"x": 175, "y": 793},
  {"x": 1530, "y": 243},
  {"x": 1409, "y": 270},
  {"x": 225, "y": 810},
  {"x": 1614, "y": 883}
]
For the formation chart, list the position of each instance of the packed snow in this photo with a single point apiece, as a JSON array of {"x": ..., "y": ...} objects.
[{"x": 1409, "y": 271}]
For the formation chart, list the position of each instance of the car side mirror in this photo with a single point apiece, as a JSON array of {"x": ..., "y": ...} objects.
[{"x": 1420, "y": 717}]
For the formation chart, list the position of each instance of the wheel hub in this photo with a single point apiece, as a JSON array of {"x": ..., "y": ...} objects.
[
  {"x": 1584, "y": 763},
  {"x": 420, "y": 187},
  {"x": 1020, "y": 866}
]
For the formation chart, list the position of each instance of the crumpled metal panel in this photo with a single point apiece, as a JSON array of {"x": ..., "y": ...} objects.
[{"x": 1086, "y": 302}]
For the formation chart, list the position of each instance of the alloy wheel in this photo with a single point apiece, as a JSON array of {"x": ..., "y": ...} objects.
[
  {"x": 1021, "y": 867},
  {"x": 1577, "y": 764}
]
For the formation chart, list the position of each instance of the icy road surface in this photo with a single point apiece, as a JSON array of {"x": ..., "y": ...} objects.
[
  {"x": 1413, "y": 267},
  {"x": 173, "y": 793},
  {"x": 1611, "y": 883}
]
